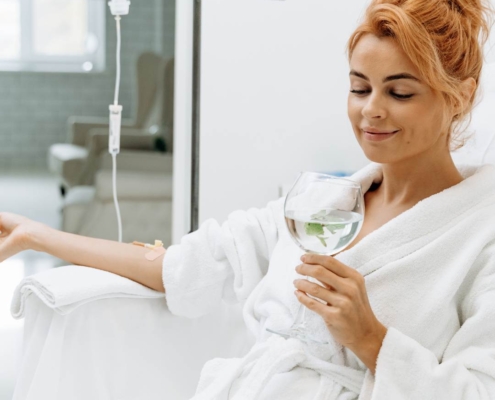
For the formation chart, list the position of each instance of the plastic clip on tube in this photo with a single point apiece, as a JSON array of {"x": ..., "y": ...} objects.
[{"x": 115, "y": 123}]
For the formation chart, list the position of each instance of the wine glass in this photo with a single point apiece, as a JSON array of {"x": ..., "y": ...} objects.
[{"x": 324, "y": 214}]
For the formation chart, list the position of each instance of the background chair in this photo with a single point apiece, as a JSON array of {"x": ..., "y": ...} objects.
[
  {"x": 151, "y": 128},
  {"x": 144, "y": 190}
]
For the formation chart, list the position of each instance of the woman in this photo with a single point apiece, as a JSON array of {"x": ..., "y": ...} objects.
[{"x": 410, "y": 305}]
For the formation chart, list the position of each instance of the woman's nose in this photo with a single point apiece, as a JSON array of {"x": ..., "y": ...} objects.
[{"x": 374, "y": 107}]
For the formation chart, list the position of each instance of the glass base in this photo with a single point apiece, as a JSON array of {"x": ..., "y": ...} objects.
[{"x": 298, "y": 332}]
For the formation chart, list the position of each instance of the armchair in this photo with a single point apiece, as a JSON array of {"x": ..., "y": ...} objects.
[
  {"x": 122, "y": 349},
  {"x": 72, "y": 161}
]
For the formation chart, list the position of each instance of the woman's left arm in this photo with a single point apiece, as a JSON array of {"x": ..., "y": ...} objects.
[
  {"x": 347, "y": 314},
  {"x": 405, "y": 369}
]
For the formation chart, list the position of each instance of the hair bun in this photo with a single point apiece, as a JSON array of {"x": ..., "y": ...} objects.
[
  {"x": 477, "y": 12},
  {"x": 455, "y": 5}
]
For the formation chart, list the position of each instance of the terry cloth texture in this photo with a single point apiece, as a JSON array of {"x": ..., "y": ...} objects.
[{"x": 64, "y": 289}]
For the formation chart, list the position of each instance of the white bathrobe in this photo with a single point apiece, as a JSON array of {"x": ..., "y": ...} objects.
[{"x": 430, "y": 278}]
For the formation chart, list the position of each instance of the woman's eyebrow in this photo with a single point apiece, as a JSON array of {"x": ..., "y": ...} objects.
[{"x": 402, "y": 75}]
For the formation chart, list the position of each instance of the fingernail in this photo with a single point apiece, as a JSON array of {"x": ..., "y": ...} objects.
[{"x": 303, "y": 258}]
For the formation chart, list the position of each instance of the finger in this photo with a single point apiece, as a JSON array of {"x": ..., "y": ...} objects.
[
  {"x": 315, "y": 290},
  {"x": 6, "y": 248},
  {"x": 353, "y": 280},
  {"x": 314, "y": 305},
  {"x": 325, "y": 276},
  {"x": 352, "y": 287},
  {"x": 330, "y": 263},
  {"x": 6, "y": 222}
]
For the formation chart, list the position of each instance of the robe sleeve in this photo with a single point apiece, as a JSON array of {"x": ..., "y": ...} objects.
[
  {"x": 220, "y": 262},
  {"x": 407, "y": 370}
]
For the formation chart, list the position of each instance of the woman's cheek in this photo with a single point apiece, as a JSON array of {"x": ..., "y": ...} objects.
[
  {"x": 355, "y": 118},
  {"x": 353, "y": 110}
]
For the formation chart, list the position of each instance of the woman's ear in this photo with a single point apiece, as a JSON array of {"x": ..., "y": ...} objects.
[{"x": 468, "y": 86}]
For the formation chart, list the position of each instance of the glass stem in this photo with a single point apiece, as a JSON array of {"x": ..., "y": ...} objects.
[{"x": 300, "y": 320}]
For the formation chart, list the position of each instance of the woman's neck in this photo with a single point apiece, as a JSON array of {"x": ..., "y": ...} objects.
[{"x": 409, "y": 181}]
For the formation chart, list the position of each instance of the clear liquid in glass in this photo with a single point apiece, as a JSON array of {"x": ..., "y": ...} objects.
[{"x": 323, "y": 231}]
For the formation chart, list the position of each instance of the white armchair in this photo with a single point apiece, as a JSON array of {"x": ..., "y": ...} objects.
[{"x": 122, "y": 349}]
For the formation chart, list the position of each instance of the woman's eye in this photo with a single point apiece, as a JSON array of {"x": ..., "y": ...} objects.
[
  {"x": 396, "y": 95},
  {"x": 401, "y": 96},
  {"x": 359, "y": 91}
]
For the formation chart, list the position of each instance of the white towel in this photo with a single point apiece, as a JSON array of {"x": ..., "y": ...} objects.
[{"x": 65, "y": 288}]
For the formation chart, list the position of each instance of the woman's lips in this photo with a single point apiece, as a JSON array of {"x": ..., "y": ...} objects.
[{"x": 378, "y": 136}]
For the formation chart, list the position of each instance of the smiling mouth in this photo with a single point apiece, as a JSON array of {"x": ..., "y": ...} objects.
[
  {"x": 380, "y": 133},
  {"x": 376, "y": 136}
]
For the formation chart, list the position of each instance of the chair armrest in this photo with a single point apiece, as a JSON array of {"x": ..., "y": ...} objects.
[
  {"x": 97, "y": 144},
  {"x": 65, "y": 288},
  {"x": 79, "y": 127},
  {"x": 133, "y": 186},
  {"x": 139, "y": 161}
]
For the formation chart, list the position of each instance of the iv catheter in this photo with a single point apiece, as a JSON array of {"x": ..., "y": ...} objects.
[{"x": 117, "y": 8}]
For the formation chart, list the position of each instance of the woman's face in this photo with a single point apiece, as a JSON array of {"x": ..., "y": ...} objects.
[{"x": 393, "y": 114}]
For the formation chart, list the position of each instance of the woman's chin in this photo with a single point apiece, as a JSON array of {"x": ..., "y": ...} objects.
[
  {"x": 379, "y": 157},
  {"x": 377, "y": 152}
]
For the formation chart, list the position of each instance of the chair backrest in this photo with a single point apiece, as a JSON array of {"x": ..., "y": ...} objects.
[
  {"x": 148, "y": 70},
  {"x": 155, "y": 90}
]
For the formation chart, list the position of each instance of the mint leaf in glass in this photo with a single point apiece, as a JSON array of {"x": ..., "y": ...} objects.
[
  {"x": 313, "y": 229},
  {"x": 333, "y": 228},
  {"x": 322, "y": 240}
]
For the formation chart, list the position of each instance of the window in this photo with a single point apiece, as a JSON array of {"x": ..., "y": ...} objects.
[{"x": 52, "y": 35}]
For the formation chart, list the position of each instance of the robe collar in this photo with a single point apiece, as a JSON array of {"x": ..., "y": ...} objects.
[{"x": 394, "y": 239}]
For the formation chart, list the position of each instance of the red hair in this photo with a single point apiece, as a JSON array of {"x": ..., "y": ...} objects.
[{"x": 443, "y": 38}]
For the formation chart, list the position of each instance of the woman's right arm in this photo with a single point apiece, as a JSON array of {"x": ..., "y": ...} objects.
[
  {"x": 216, "y": 262},
  {"x": 221, "y": 262},
  {"x": 20, "y": 233}
]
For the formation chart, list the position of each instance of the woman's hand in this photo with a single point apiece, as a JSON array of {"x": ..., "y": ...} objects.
[
  {"x": 15, "y": 234},
  {"x": 347, "y": 314}
]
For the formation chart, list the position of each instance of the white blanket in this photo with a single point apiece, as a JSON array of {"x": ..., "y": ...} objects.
[
  {"x": 65, "y": 288},
  {"x": 430, "y": 277}
]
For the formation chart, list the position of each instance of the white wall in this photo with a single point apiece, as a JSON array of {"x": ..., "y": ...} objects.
[{"x": 274, "y": 86}]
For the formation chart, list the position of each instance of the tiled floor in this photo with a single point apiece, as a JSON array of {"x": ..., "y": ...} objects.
[{"x": 36, "y": 196}]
